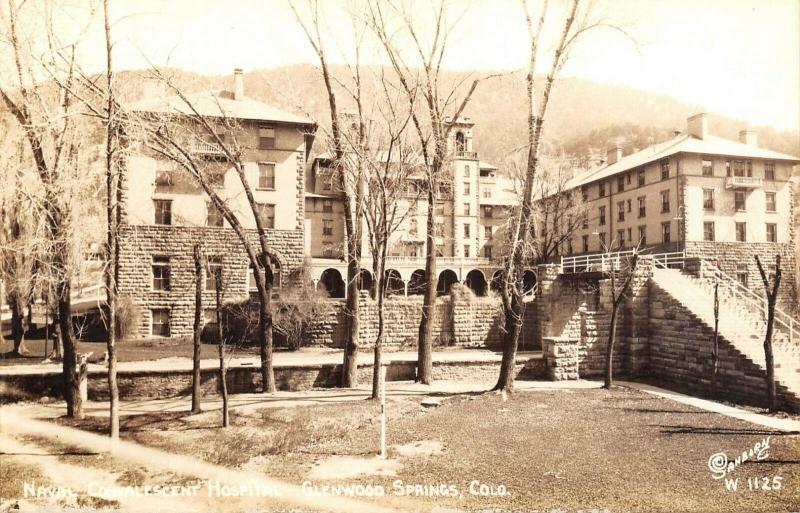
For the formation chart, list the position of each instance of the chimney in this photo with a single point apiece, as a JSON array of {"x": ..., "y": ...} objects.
[
  {"x": 238, "y": 84},
  {"x": 749, "y": 137},
  {"x": 697, "y": 126},
  {"x": 614, "y": 154}
]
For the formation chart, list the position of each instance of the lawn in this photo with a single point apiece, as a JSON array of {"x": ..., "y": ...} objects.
[
  {"x": 127, "y": 350},
  {"x": 619, "y": 450}
]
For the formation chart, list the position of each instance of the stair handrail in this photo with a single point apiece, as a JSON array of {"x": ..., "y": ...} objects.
[{"x": 760, "y": 302}]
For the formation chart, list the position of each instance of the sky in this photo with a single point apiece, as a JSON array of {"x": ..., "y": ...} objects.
[{"x": 735, "y": 57}]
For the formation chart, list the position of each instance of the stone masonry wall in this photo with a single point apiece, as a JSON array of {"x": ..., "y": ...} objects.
[
  {"x": 138, "y": 245},
  {"x": 728, "y": 256}
]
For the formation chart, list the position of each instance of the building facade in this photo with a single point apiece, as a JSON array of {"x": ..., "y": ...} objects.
[
  {"x": 165, "y": 212},
  {"x": 708, "y": 196}
]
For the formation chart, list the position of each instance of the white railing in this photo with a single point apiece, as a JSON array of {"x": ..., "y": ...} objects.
[
  {"x": 748, "y": 182},
  {"x": 602, "y": 262},
  {"x": 783, "y": 320},
  {"x": 207, "y": 148},
  {"x": 467, "y": 154}
]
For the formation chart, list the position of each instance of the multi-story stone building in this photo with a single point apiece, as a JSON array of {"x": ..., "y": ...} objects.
[
  {"x": 165, "y": 212},
  {"x": 472, "y": 207},
  {"x": 705, "y": 195}
]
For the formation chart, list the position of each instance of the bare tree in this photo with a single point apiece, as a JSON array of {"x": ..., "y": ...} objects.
[
  {"x": 198, "y": 326},
  {"x": 620, "y": 274},
  {"x": 433, "y": 123},
  {"x": 576, "y": 23},
  {"x": 771, "y": 286},
  {"x": 715, "y": 349},
  {"x": 349, "y": 174}
]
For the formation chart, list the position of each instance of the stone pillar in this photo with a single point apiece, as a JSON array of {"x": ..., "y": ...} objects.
[
  {"x": 546, "y": 300},
  {"x": 561, "y": 357}
]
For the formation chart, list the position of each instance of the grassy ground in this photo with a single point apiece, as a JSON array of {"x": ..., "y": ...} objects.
[
  {"x": 127, "y": 350},
  {"x": 619, "y": 450}
]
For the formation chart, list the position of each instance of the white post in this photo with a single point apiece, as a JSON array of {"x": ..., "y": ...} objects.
[{"x": 382, "y": 375}]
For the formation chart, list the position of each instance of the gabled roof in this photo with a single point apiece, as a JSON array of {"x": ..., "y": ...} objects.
[
  {"x": 220, "y": 104},
  {"x": 683, "y": 143}
]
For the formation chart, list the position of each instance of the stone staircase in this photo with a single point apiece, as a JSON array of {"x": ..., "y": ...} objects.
[{"x": 741, "y": 321}]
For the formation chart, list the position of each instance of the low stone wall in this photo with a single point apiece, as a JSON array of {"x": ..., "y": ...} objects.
[{"x": 171, "y": 383}]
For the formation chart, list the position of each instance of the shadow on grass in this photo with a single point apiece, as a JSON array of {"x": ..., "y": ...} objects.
[
  {"x": 652, "y": 410},
  {"x": 693, "y": 430}
]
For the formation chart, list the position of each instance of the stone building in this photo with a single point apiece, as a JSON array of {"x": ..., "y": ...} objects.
[
  {"x": 710, "y": 197},
  {"x": 472, "y": 211},
  {"x": 165, "y": 212}
]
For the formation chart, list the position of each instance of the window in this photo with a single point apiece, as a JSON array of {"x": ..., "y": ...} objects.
[
  {"x": 585, "y": 220},
  {"x": 466, "y": 209},
  {"x": 628, "y": 205},
  {"x": 439, "y": 210},
  {"x": 488, "y": 234},
  {"x": 708, "y": 199},
  {"x": 665, "y": 232},
  {"x": 585, "y": 242},
  {"x": 642, "y": 235},
  {"x": 708, "y": 167},
  {"x": 664, "y": 202},
  {"x": 214, "y": 215},
  {"x": 487, "y": 252},
  {"x": 741, "y": 274},
  {"x": 212, "y": 269},
  {"x": 621, "y": 183},
  {"x": 466, "y": 171},
  {"x": 488, "y": 211},
  {"x": 602, "y": 189},
  {"x": 741, "y": 232},
  {"x": 266, "y": 138},
  {"x": 628, "y": 178},
  {"x": 161, "y": 273},
  {"x": 327, "y": 227},
  {"x": 569, "y": 246},
  {"x": 727, "y": 168},
  {"x": 620, "y": 211},
  {"x": 641, "y": 177},
  {"x": 164, "y": 175},
  {"x": 439, "y": 229},
  {"x": 630, "y": 236},
  {"x": 466, "y": 188},
  {"x": 163, "y": 211},
  {"x": 769, "y": 170},
  {"x": 327, "y": 206},
  {"x": 466, "y": 231},
  {"x": 772, "y": 232},
  {"x": 738, "y": 168},
  {"x": 413, "y": 227},
  {"x": 466, "y": 250},
  {"x": 266, "y": 175},
  {"x": 266, "y": 212},
  {"x": 602, "y": 216},
  {"x": 160, "y": 324},
  {"x": 584, "y": 193},
  {"x": 749, "y": 168},
  {"x": 665, "y": 169},
  {"x": 708, "y": 231},
  {"x": 770, "y": 197},
  {"x": 642, "y": 206},
  {"x": 327, "y": 181},
  {"x": 621, "y": 238},
  {"x": 739, "y": 201}
]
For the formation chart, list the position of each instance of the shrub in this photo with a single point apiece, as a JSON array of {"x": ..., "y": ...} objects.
[{"x": 128, "y": 317}]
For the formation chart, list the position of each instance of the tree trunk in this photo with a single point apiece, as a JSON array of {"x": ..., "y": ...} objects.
[
  {"x": 265, "y": 321},
  {"x": 198, "y": 328},
  {"x": 350, "y": 358},
  {"x": 769, "y": 357},
  {"x": 513, "y": 327},
  {"x": 17, "y": 323},
  {"x": 715, "y": 352},
  {"x": 612, "y": 336},
  {"x": 223, "y": 372},
  {"x": 376, "y": 364},
  {"x": 425, "y": 339},
  {"x": 72, "y": 394}
]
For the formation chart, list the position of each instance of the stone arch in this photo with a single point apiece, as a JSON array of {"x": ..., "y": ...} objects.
[
  {"x": 416, "y": 284},
  {"x": 497, "y": 280},
  {"x": 332, "y": 280},
  {"x": 528, "y": 281},
  {"x": 394, "y": 283},
  {"x": 447, "y": 278},
  {"x": 476, "y": 281},
  {"x": 365, "y": 281}
]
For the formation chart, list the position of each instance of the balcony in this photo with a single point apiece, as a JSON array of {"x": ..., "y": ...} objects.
[
  {"x": 744, "y": 182},
  {"x": 208, "y": 148},
  {"x": 467, "y": 154}
]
